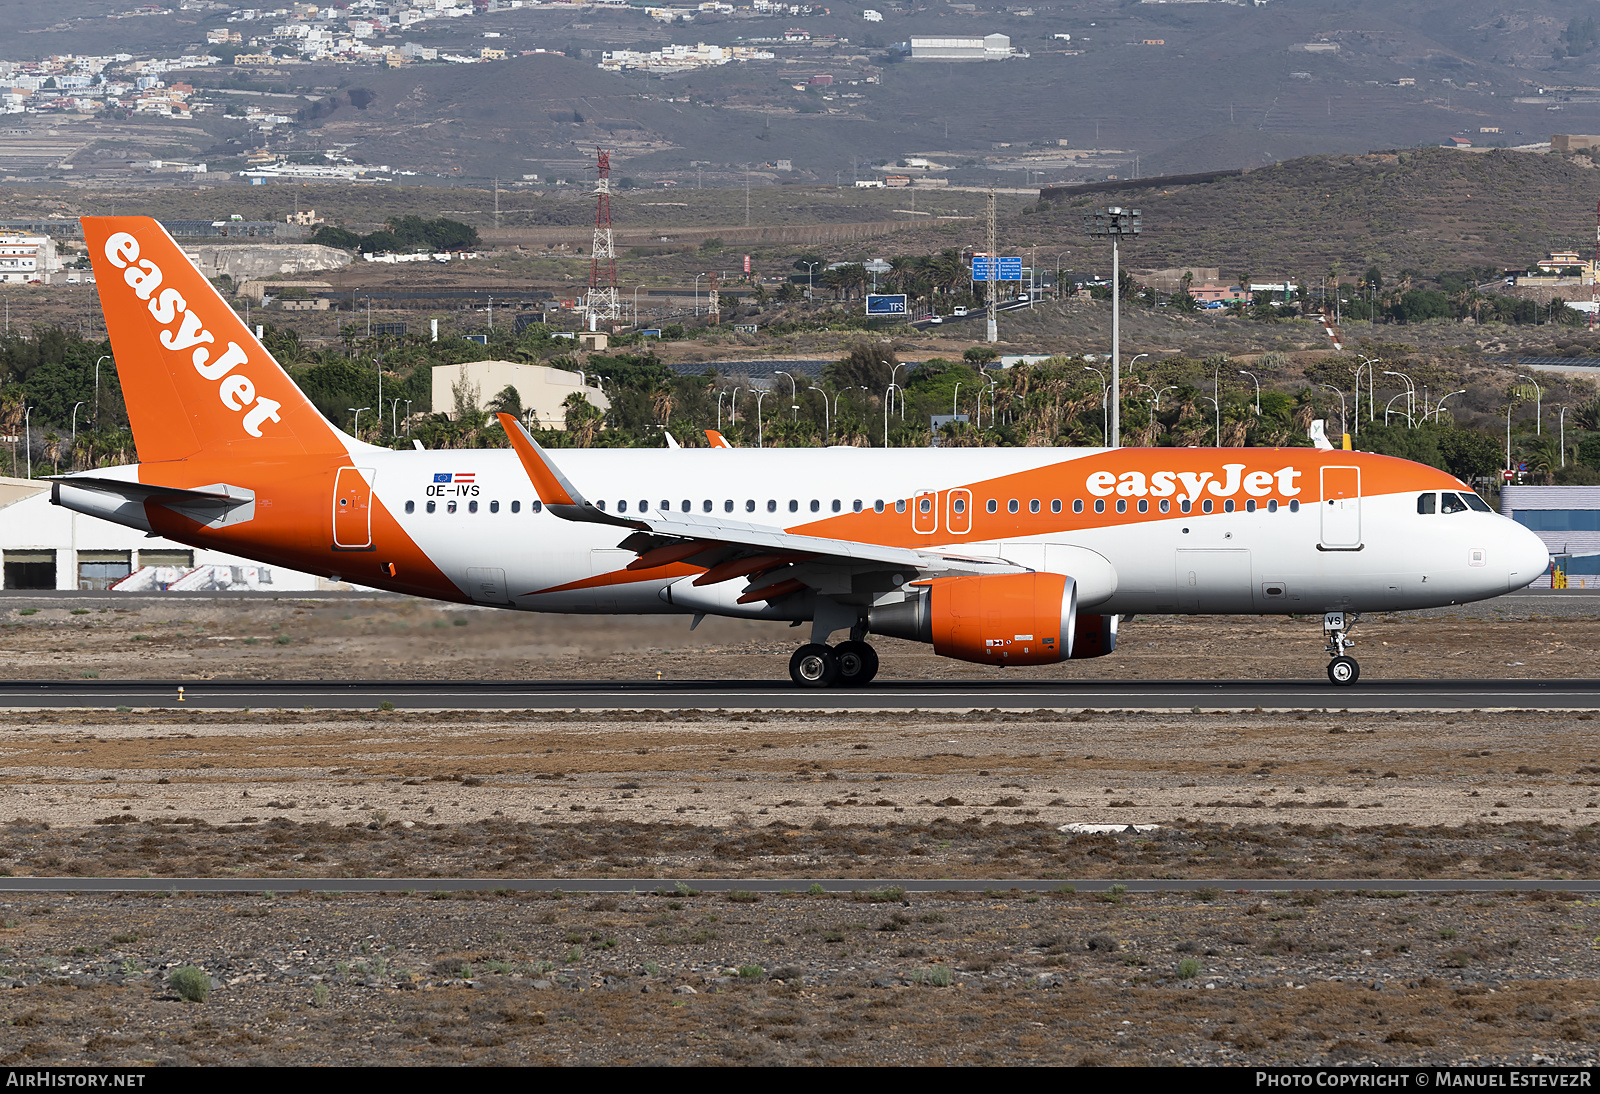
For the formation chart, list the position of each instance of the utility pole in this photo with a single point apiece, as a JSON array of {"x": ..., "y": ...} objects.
[
  {"x": 497, "y": 203},
  {"x": 994, "y": 274},
  {"x": 1115, "y": 223}
]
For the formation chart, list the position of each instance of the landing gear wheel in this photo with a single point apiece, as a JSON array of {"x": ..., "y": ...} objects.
[
  {"x": 858, "y": 663},
  {"x": 814, "y": 666},
  {"x": 1344, "y": 671}
]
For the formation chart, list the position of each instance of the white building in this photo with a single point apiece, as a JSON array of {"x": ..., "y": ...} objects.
[
  {"x": 991, "y": 47},
  {"x": 44, "y": 546},
  {"x": 27, "y": 258},
  {"x": 542, "y": 389}
]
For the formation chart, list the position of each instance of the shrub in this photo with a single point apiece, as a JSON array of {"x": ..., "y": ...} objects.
[
  {"x": 938, "y": 977},
  {"x": 742, "y": 896},
  {"x": 751, "y": 972},
  {"x": 1188, "y": 969},
  {"x": 191, "y": 984}
]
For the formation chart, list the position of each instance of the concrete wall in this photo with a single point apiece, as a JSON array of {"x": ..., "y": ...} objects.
[
  {"x": 244, "y": 261},
  {"x": 542, "y": 389}
]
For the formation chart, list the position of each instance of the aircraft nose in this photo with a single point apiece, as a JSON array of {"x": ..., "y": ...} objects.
[{"x": 1526, "y": 555}]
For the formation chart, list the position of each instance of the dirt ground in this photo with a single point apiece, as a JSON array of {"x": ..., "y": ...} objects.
[
  {"x": 882, "y": 977},
  {"x": 391, "y": 637}
]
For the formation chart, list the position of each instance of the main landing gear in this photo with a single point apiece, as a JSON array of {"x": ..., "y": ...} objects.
[
  {"x": 847, "y": 665},
  {"x": 1343, "y": 670}
]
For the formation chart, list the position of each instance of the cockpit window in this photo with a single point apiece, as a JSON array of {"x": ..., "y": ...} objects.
[
  {"x": 1477, "y": 503},
  {"x": 1451, "y": 503},
  {"x": 1426, "y": 504}
]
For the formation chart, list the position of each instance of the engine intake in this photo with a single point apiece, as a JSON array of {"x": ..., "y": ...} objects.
[{"x": 999, "y": 619}]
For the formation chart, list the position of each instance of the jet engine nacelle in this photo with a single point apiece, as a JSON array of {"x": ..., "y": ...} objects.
[
  {"x": 992, "y": 619},
  {"x": 1096, "y": 636}
]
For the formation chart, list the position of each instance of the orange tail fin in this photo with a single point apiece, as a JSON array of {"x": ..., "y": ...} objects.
[{"x": 193, "y": 376}]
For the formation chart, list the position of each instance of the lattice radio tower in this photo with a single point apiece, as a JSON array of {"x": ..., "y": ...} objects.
[{"x": 605, "y": 303}]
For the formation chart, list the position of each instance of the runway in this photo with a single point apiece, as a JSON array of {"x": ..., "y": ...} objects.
[
  {"x": 669, "y": 886},
  {"x": 958, "y": 695}
]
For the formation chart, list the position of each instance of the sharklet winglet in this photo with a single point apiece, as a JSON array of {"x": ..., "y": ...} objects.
[{"x": 555, "y": 490}]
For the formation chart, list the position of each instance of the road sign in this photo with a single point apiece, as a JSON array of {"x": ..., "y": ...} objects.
[
  {"x": 1507, "y": 475},
  {"x": 983, "y": 268},
  {"x": 886, "y": 304}
]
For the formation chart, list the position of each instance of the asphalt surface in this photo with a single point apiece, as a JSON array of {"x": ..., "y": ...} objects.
[
  {"x": 767, "y": 885},
  {"x": 960, "y": 695}
]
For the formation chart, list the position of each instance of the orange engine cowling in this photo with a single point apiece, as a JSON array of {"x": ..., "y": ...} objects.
[{"x": 999, "y": 619}]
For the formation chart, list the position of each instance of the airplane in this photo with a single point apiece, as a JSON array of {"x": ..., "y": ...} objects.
[{"x": 997, "y": 556}]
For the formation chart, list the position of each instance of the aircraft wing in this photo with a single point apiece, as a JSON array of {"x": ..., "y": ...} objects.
[{"x": 770, "y": 557}]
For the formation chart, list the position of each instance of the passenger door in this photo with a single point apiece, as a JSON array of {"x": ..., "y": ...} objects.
[
  {"x": 1341, "y": 508},
  {"x": 352, "y": 509}
]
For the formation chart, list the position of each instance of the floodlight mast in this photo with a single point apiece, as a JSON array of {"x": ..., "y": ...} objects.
[{"x": 1114, "y": 224}]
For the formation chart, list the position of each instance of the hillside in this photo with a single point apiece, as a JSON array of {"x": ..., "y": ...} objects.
[{"x": 1429, "y": 210}]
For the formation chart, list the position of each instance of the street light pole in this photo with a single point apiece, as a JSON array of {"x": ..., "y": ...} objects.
[
  {"x": 97, "y": 390},
  {"x": 697, "y": 278},
  {"x": 27, "y": 437},
  {"x": 810, "y": 266},
  {"x": 1438, "y": 407},
  {"x": 356, "y": 429},
  {"x": 761, "y": 437},
  {"x": 1253, "y": 376},
  {"x": 75, "y": 407},
  {"x": 1115, "y": 223},
  {"x": 1563, "y": 421},
  {"x": 1344, "y": 425},
  {"x": 1538, "y": 393}
]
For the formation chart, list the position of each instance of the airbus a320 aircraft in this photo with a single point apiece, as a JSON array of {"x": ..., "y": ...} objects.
[{"x": 1000, "y": 556}]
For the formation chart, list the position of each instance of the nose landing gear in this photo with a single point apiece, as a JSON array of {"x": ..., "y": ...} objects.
[
  {"x": 849, "y": 664},
  {"x": 1343, "y": 670}
]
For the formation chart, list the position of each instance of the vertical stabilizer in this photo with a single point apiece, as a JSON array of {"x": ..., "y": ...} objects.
[{"x": 193, "y": 376}]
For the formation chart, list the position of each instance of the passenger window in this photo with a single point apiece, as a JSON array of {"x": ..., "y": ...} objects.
[
  {"x": 1099, "y": 505},
  {"x": 536, "y": 507},
  {"x": 727, "y": 506},
  {"x": 772, "y": 505},
  {"x": 959, "y": 505},
  {"x": 1426, "y": 504},
  {"x": 991, "y": 506},
  {"x": 1294, "y": 505},
  {"x": 750, "y": 505},
  {"x": 687, "y": 505},
  {"x": 450, "y": 507},
  {"x": 431, "y": 506},
  {"x": 837, "y": 505},
  {"x": 1165, "y": 506},
  {"x": 1033, "y": 506},
  {"x": 665, "y": 505},
  {"x": 705, "y": 506},
  {"x": 1144, "y": 506},
  {"x": 1055, "y": 505},
  {"x": 644, "y": 506},
  {"x": 472, "y": 506},
  {"x": 1011, "y": 506},
  {"x": 411, "y": 507},
  {"x": 1451, "y": 503},
  {"x": 1077, "y": 505},
  {"x": 1185, "y": 505},
  {"x": 600, "y": 505},
  {"x": 1205, "y": 506},
  {"x": 815, "y": 505},
  {"x": 1227, "y": 506},
  {"x": 900, "y": 505},
  {"x": 924, "y": 505},
  {"x": 877, "y": 506},
  {"x": 1272, "y": 506},
  {"x": 794, "y": 506},
  {"x": 1250, "y": 506},
  {"x": 855, "y": 506},
  {"x": 516, "y": 507},
  {"x": 1122, "y": 505},
  {"x": 494, "y": 506},
  {"x": 622, "y": 507}
]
